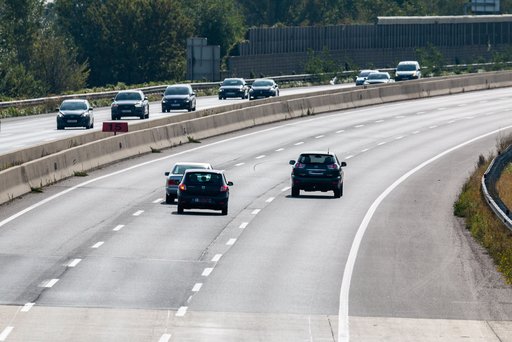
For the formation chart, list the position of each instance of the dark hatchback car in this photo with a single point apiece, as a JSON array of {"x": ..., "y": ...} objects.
[
  {"x": 179, "y": 96},
  {"x": 317, "y": 171},
  {"x": 263, "y": 87},
  {"x": 233, "y": 87},
  {"x": 204, "y": 189},
  {"x": 75, "y": 113},
  {"x": 130, "y": 103},
  {"x": 173, "y": 178}
]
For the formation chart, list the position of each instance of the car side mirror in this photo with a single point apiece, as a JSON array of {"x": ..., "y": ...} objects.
[
  {"x": 57, "y": 109},
  {"x": 166, "y": 173},
  {"x": 230, "y": 183},
  {"x": 193, "y": 94},
  {"x": 145, "y": 98},
  {"x": 292, "y": 162},
  {"x": 343, "y": 164}
]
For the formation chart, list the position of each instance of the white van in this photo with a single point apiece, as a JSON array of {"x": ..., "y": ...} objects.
[{"x": 407, "y": 70}]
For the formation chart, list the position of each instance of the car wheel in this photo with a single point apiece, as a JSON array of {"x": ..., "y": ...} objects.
[
  {"x": 92, "y": 124},
  {"x": 295, "y": 191},
  {"x": 169, "y": 199},
  {"x": 59, "y": 127},
  {"x": 341, "y": 190},
  {"x": 225, "y": 210},
  {"x": 190, "y": 108},
  {"x": 337, "y": 193},
  {"x": 180, "y": 209}
]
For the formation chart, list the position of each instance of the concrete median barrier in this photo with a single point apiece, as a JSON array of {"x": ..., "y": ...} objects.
[{"x": 48, "y": 163}]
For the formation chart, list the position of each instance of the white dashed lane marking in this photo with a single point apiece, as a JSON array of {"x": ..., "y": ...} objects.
[
  {"x": 359, "y": 126},
  {"x": 239, "y": 164},
  {"x": 243, "y": 225},
  {"x": 231, "y": 242},
  {"x": 349, "y": 157},
  {"x": 158, "y": 200},
  {"x": 299, "y": 143},
  {"x": 98, "y": 244},
  {"x": 365, "y": 150},
  {"x": 255, "y": 211},
  {"x": 419, "y": 113},
  {"x": 262, "y": 156},
  {"x": 340, "y": 131},
  {"x": 118, "y": 227},
  {"x": 270, "y": 199},
  {"x": 182, "y": 311},
  {"x": 379, "y": 121},
  {"x": 286, "y": 189},
  {"x": 319, "y": 136},
  {"x": 165, "y": 338},
  {"x": 381, "y": 143},
  {"x": 74, "y": 262},
  {"x": 49, "y": 283},
  {"x": 207, "y": 271},
  {"x": 217, "y": 257},
  {"x": 27, "y": 307},
  {"x": 138, "y": 212},
  {"x": 416, "y": 132},
  {"x": 432, "y": 127},
  {"x": 400, "y": 137},
  {"x": 280, "y": 149},
  {"x": 5, "y": 333},
  {"x": 197, "y": 287}
]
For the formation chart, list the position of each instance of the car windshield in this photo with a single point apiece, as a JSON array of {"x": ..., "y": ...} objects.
[
  {"x": 73, "y": 105},
  {"x": 262, "y": 83},
  {"x": 176, "y": 91},
  {"x": 203, "y": 178},
  {"x": 406, "y": 67},
  {"x": 365, "y": 73},
  {"x": 316, "y": 159},
  {"x": 180, "y": 169},
  {"x": 128, "y": 96},
  {"x": 232, "y": 82},
  {"x": 377, "y": 76}
]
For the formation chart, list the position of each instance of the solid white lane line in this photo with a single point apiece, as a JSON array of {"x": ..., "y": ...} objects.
[
  {"x": 138, "y": 212},
  {"x": 270, "y": 199},
  {"x": 244, "y": 225},
  {"x": 98, "y": 244},
  {"x": 165, "y": 338},
  {"x": 217, "y": 257},
  {"x": 74, "y": 262},
  {"x": 207, "y": 271},
  {"x": 231, "y": 242},
  {"x": 5, "y": 333},
  {"x": 118, "y": 227},
  {"x": 182, "y": 311},
  {"x": 158, "y": 200},
  {"x": 255, "y": 211},
  {"x": 239, "y": 164},
  {"x": 399, "y": 117},
  {"x": 343, "y": 326},
  {"x": 299, "y": 143},
  {"x": 340, "y": 131},
  {"x": 262, "y": 156},
  {"x": 349, "y": 157},
  {"x": 280, "y": 149},
  {"x": 286, "y": 188},
  {"x": 319, "y": 136},
  {"x": 27, "y": 307},
  {"x": 50, "y": 283},
  {"x": 381, "y": 143},
  {"x": 197, "y": 287}
]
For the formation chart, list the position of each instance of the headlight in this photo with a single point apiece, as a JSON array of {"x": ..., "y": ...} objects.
[
  {"x": 84, "y": 114},
  {"x": 114, "y": 105},
  {"x": 138, "y": 104},
  {"x": 164, "y": 101},
  {"x": 60, "y": 115}
]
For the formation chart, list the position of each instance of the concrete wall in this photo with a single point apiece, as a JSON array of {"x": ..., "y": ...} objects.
[{"x": 44, "y": 170}]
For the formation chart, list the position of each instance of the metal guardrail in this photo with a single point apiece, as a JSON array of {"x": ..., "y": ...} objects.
[{"x": 491, "y": 175}]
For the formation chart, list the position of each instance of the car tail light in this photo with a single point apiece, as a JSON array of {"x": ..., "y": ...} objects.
[
  {"x": 300, "y": 166},
  {"x": 183, "y": 187},
  {"x": 170, "y": 182},
  {"x": 224, "y": 188},
  {"x": 332, "y": 167}
]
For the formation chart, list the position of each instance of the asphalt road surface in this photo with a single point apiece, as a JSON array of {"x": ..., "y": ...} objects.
[{"x": 103, "y": 258}]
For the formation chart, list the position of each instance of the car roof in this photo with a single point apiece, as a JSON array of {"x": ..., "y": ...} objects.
[
  {"x": 192, "y": 163},
  {"x": 234, "y": 78},
  {"x": 75, "y": 100},
  {"x": 179, "y": 85},
  {"x": 408, "y": 62},
  {"x": 130, "y": 91},
  {"x": 318, "y": 152},
  {"x": 205, "y": 171}
]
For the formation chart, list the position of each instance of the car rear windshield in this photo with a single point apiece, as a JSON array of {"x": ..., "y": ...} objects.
[
  {"x": 232, "y": 82},
  {"x": 72, "y": 105},
  {"x": 180, "y": 169},
  {"x": 203, "y": 178},
  {"x": 316, "y": 159},
  {"x": 406, "y": 67},
  {"x": 128, "y": 96},
  {"x": 176, "y": 91}
]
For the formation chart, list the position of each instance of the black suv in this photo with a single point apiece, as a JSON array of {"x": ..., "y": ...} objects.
[
  {"x": 317, "y": 171},
  {"x": 203, "y": 189},
  {"x": 179, "y": 96},
  {"x": 233, "y": 87},
  {"x": 130, "y": 103}
]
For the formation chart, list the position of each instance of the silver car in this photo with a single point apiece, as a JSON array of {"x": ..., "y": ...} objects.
[{"x": 175, "y": 176}]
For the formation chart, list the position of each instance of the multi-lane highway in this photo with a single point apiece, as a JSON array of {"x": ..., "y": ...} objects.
[{"x": 103, "y": 258}]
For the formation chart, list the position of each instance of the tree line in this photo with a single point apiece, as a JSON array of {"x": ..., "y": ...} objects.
[{"x": 51, "y": 47}]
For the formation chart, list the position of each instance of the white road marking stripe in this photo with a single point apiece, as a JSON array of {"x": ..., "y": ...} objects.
[
  {"x": 349, "y": 157},
  {"x": 27, "y": 307},
  {"x": 365, "y": 150},
  {"x": 441, "y": 108},
  {"x": 381, "y": 143},
  {"x": 182, "y": 311},
  {"x": 74, "y": 262},
  {"x": 50, "y": 283},
  {"x": 451, "y": 121},
  {"x": 231, "y": 242},
  {"x": 400, "y": 137},
  {"x": 419, "y": 113},
  {"x": 461, "y": 105},
  {"x": 118, "y": 227},
  {"x": 262, "y": 156},
  {"x": 299, "y": 143},
  {"x": 255, "y": 211},
  {"x": 359, "y": 126},
  {"x": 343, "y": 326},
  {"x": 399, "y": 117},
  {"x": 158, "y": 200},
  {"x": 5, "y": 333},
  {"x": 98, "y": 244},
  {"x": 286, "y": 188},
  {"x": 340, "y": 131},
  {"x": 379, "y": 121},
  {"x": 138, "y": 212},
  {"x": 217, "y": 257},
  {"x": 165, "y": 338},
  {"x": 239, "y": 164},
  {"x": 469, "y": 117},
  {"x": 431, "y": 127},
  {"x": 319, "y": 136},
  {"x": 197, "y": 287},
  {"x": 416, "y": 132},
  {"x": 207, "y": 271},
  {"x": 244, "y": 225},
  {"x": 280, "y": 149},
  {"x": 270, "y": 199}
]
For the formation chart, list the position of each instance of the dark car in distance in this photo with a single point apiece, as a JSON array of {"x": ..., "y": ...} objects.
[
  {"x": 179, "y": 96},
  {"x": 75, "y": 113},
  {"x": 130, "y": 103},
  {"x": 263, "y": 87},
  {"x": 204, "y": 189},
  {"x": 173, "y": 178},
  {"x": 233, "y": 87},
  {"x": 317, "y": 171}
]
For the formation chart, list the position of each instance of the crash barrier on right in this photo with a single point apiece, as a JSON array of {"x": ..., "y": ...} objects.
[
  {"x": 489, "y": 179},
  {"x": 59, "y": 160}
]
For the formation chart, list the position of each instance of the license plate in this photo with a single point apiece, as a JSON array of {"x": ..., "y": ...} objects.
[
  {"x": 201, "y": 200},
  {"x": 72, "y": 121},
  {"x": 175, "y": 104},
  {"x": 230, "y": 93},
  {"x": 126, "y": 111}
]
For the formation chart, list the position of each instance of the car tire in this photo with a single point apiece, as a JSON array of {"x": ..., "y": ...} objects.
[
  {"x": 225, "y": 210},
  {"x": 337, "y": 193},
  {"x": 60, "y": 127},
  {"x": 189, "y": 108},
  {"x": 169, "y": 199},
  {"x": 180, "y": 209},
  {"x": 341, "y": 190},
  {"x": 295, "y": 191}
]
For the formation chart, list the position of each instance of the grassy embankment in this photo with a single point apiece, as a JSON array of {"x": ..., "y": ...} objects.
[{"x": 481, "y": 221}]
